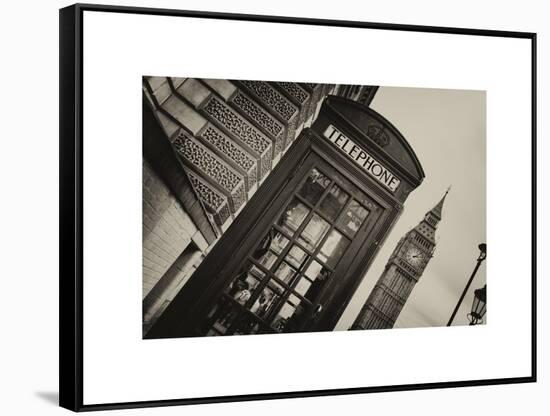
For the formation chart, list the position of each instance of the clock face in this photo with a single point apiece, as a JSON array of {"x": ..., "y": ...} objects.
[{"x": 414, "y": 256}]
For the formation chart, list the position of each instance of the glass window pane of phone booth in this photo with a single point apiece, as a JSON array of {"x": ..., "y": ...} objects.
[{"x": 287, "y": 272}]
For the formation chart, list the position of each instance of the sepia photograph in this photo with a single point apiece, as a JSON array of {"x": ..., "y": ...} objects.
[{"x": 275, "y": 207}]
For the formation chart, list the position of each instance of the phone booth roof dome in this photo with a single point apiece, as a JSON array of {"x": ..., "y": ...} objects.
[{"x": 376, "y": 133}]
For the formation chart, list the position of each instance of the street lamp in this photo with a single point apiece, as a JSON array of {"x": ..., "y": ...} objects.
[
  {"x": 482, "y": 256},
  {"x": 479, "y": 306}
]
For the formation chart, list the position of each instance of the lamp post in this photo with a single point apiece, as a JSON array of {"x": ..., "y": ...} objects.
[
  {"x": 479, "y": 306},
  {"x": 482, "y": 256}
]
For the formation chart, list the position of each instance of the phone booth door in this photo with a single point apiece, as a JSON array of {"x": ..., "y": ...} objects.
[{"x": 287, "y": 277}]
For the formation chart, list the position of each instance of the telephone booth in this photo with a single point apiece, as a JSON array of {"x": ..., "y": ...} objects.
[{"x": 293, "y": 258}]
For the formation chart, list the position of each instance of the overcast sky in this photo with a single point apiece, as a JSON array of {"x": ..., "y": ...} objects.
[{"x": 446, "y": 129}]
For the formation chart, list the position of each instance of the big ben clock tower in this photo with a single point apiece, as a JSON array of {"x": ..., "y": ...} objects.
[{"x": 403, "y": 270}]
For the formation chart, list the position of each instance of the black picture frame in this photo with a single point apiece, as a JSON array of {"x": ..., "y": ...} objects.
[{"x": 71, "y": 206}]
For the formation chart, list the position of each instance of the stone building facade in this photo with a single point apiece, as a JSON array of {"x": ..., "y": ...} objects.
[{"x": 208, "y": 145}]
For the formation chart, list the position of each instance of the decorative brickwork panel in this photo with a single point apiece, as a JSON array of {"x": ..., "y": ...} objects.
[
  {"x": 291, "y": 134},
  {"x": 239, "y": 197},
  {"x": 216, "y": 202},
  {"x": 297, "y": 94},
  {"x": 205, "y": 161},
  {"x": 267, "y": 161},
  {"x": 272, "y": 98},
  {"x": 279, "y": 145},
  {"x": 295, "y": 91},
  {"x": 258, "y": 114},
  {"x": 315, "y": 93},
  {"x": 237, "y": 125},
  {"x": 208, "y": 163},
  {"x": 229, "y": 148}
]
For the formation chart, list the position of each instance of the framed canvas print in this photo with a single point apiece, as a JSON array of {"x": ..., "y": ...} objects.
[{"x": 257, "y": 207}]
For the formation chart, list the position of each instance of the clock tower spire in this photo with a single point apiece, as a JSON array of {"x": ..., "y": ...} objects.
[{"x": 403, "y": 270}]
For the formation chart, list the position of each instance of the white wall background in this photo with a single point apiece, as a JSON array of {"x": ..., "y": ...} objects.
[{"x": 29, "y": 160}]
